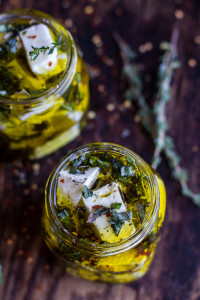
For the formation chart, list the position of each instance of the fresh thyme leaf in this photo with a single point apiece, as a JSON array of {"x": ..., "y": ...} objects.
[
  {"x": 58, "y": 44},
  {"x": 36, "y": 51},
  {"x": 141, "y": 211},
  {"x": 116, "y": 205},
  {"x": 126, "y": 171},
  {"x": 66, "y": 219},
  {"x": 87, "y": 192}
]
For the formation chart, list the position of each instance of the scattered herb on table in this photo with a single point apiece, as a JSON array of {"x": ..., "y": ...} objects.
[{"x": 157, "y": 130}]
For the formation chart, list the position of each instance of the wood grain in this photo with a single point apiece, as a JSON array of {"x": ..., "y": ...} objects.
[{"x": 30, "y": 271}]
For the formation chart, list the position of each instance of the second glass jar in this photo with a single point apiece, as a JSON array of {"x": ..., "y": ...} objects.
[{"x": 37, "y": 125}]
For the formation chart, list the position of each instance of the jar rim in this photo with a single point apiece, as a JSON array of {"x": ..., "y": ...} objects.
[
  {"x": 70, "y": 69},
  {"x": 124, "y": 244}
]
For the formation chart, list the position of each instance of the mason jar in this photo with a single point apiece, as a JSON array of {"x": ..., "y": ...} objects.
[
  {"x": 121, "y": 261},
  {"x": 37, "y": 123}
]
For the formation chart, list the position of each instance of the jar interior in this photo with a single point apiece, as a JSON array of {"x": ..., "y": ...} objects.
[{"x": 150, "y": 216}]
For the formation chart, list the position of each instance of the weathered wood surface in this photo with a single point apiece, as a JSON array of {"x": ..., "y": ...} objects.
[{"x": 30, "y": 270}]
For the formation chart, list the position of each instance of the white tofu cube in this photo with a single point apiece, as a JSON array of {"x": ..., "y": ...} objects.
[
  {"x": 70, "y": 186},
  {"x": 106, "y": 196},
  {"x": 38, "y": 36}
]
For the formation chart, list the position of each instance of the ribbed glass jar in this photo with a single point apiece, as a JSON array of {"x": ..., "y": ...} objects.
[
  {"x": 122, "y": 261},
  {"x": 38, "y": 125}
]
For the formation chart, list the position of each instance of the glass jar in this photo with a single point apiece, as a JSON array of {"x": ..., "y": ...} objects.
[
  {"x": 122, "y": 261},
  {"x": 36, "y": 126}
]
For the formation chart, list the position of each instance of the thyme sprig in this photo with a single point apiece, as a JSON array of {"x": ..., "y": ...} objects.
[
  {"x": 157, "y": 129},
  {"x": 167, "y": 66},
  {"x": 36, "y": 51}
]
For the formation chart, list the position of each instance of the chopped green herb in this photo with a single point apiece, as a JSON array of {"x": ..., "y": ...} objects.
[
  {"x": 9, "y": 82},
  {"x": 117, "y": 220},
  {"x": 14, "y": 28},
  {"x": 116, "y": 164},
  {"x": 127, "y": 171},
  {"x": 8, "y": 49},
  {"x": 86, "y": 192},
  {"x": 95, "y": 161},
  {"x": 66, "y": 219},
  {"x": 97, "y": 213},
  {"x": 116, "y": 205},
  {"x": 75, "y": 164},
  {"x": 141, "y": 211}
]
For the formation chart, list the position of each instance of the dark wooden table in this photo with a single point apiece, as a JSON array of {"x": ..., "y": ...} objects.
[{"x": 30, "y": 271}]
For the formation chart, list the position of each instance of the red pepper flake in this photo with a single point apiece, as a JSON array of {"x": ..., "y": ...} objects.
[
  {"x": 148, "y": 253},
  {"x": 62, "y": 180},
  {"x": 97, "y": 206},
  {"x": 49, "y": 63},
  {"x": 31, "y": 36}
]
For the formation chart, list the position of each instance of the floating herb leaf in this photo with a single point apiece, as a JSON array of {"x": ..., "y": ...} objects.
[
  {"x": 86, "y": 192},
  {"x": 66, "y": 219}
]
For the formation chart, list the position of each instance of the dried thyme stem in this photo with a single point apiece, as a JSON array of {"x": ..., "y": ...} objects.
[
  {"x": 134, "y": 92},
  {"x": 163, "y": 143},
  {"x": 165, "y": 74}
]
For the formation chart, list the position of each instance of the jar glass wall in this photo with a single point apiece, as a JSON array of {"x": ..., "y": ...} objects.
[
  {"x": 47, "y": 111},
  {"x": 122, "y": 261}
]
